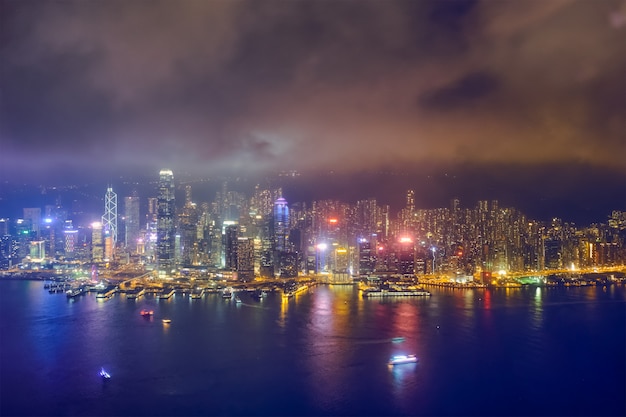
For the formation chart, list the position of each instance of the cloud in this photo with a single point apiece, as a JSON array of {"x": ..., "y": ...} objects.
[{"x": 246, "y": 85}]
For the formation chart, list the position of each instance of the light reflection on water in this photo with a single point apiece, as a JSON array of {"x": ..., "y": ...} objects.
[{"x": 321, "y": 352}]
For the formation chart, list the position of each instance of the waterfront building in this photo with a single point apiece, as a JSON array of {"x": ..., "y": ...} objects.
[
  {"x": 405, "y": 256},
  {"x": 165, "y": 244}
]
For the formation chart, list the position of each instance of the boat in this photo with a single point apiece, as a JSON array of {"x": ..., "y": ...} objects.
[
  {"x": 166, "y": 321},
  {"x": 402, "y": 359},
  {"x": 147, "y": 313},
  {"x": 104, "y": 374},
  {"x": 397, "y": 340},
  {"x": 74, "y": 292},
  {"x": 237, "y": 300},
  {"x": 395, "y": 293},
  {"x": 227, "y": 293}
]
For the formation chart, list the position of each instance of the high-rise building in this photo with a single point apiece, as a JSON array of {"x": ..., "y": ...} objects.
[
  {"x": 281, "y": 224},
  {"x": 367, "y": 257},
  {"x": 132, "y": 222},
  {"x": 109, "y": 219},
  {"x": 245, "y": 259},
  {"x": 188, "y": 225},
  {"x": 165, "y": 251},
  {"x": 97, "y": 246},
  {"x": 231, "y": 235},
  {"x": 33, "y": 218},
  {"x": 70, "y": 242}
]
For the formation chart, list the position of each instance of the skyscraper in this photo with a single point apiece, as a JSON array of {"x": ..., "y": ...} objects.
[
  {"x": 281, "y": 224},
  {"x": 97, "y": 247},
  {"x": 165, "y": 223},
  {"x": 132, "y": 221},
  {"x": 109, "y": 219}
]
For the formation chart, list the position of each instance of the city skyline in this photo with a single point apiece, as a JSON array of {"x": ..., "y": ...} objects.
[
  {"x": 261, "y": 234},
  {"x": 95, "y": 88}
]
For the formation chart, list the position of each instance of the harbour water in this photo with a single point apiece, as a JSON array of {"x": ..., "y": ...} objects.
[{"x": 517, "y": 351}]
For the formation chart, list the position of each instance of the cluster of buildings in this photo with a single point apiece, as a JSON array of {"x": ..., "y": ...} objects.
[{"x": 261, "y": 235}]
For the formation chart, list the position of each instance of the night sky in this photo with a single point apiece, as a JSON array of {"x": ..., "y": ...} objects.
[{"x": 530, "y": 93}]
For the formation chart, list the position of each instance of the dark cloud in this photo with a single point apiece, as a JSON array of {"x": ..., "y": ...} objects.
[
  {"x": 463, "y": 92},
  {"x": 208, "y": 86}
]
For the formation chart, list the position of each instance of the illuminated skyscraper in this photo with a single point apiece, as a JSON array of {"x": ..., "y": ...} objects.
[
  {"x": 165, "y": 223},
  {"x": 245, "y": 259},
  {"x": 281, "y": 224},
  {"x": 97, "y": 247},
  {"x": 132, "y": 221},
  {"x": 109, "y": 219}
]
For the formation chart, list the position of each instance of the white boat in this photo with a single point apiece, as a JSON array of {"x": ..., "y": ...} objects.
[
  {"x": 166, "y": 321},
  {"x": 104, "y": 374},
  {"x": 402, "y": 359}
]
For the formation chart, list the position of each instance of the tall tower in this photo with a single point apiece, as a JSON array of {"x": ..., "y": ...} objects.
[
  {"x": 131, "y": 214},
  {"x": 109, "y": 219},
  {"x": 281, "y": 224},
  {"x": 165, "y": 223}
]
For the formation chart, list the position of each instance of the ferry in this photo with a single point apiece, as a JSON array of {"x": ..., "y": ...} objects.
[
  {"x": 395, "y": 293},
  {"x": 227, "y": 293},
  {"x": 402, "y": 359},
  {"x": 74, "y": 293},
  {"x": 104, "y": 374}
]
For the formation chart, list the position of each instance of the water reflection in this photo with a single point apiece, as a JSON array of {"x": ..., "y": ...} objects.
[
  {"x": 403, "y": 380},
  {"x": 405, "y": 320},
  {"x": 538, "y": 308},
  {"x": 327, "y": 354}
]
